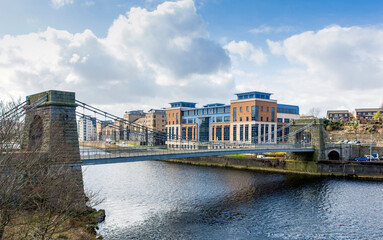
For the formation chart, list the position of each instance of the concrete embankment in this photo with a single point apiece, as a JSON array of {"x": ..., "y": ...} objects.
[{"x": 349, "y": 169}]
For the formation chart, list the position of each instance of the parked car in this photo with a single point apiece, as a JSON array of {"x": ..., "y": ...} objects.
[
  {"x": 365, "y": 158},
  {"x": 361, "y": 159}
]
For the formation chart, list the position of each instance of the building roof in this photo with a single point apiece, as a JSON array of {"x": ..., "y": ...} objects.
[
  {"x": 367, "y": 109},
  {"x": 183, "y": 104},
  {"x": 214, "y": 105},
  {"x": 338, "y": 111},
  {"x": 253, "y": 94},
  {"x": 286, "y": 108}
]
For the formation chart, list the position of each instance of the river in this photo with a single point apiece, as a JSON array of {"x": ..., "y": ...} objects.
[{"x": 160, "y": 200}]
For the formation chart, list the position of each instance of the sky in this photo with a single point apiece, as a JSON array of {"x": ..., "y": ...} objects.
[{"x": 143, "y": 54}]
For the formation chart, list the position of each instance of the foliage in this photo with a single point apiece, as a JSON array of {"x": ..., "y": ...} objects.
[
  {"x": 378, "y": 116},
  {"x": 332, "y": 125},
  {"x": 38, "y": 191}
]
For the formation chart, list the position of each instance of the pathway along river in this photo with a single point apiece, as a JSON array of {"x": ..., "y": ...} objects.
[{"x": 160, "y": 200}]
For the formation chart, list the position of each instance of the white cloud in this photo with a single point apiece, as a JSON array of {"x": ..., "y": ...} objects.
[
  {"x": 246, "y": 51},
  {"x": 336, "y": 66},
  {"x": 61, "y": 3},
  {"x": 268, "y": 29},
  {"x": 148, "y": 57}
]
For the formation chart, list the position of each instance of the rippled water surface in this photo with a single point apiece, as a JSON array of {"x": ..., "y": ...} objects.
[{"x": 159, "y": 200}]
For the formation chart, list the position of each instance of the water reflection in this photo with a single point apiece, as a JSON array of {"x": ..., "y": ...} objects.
[{"x": 158, "y": 200}]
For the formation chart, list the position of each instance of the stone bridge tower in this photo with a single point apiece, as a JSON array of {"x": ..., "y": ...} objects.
[
  {"x": 52, "y": 126},
  {"x": 311, "y": 136}
]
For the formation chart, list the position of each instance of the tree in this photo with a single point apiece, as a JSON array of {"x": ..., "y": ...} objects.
[
  {"x": 315, "y": 111},
  {"x": 39, "y": 192},
  {"x": 378, "y": 116}
]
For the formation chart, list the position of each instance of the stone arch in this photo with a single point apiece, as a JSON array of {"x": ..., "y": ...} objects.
[
  {"x": 333, "y": 155},
  {"x": 35, "y": 133}
]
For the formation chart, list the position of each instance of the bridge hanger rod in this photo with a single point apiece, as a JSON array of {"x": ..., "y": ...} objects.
[
  {"x": 111, "y": 124},
  {"x": 114, "y": 117},
  {"x": 161, "y": 136},
  {"x": 16, "y": 108}
]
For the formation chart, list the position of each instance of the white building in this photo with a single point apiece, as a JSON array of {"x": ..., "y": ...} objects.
[{"x": 86, "y": 128}]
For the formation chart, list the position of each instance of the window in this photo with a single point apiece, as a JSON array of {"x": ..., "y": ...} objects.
[
  {"x": 279, "y": 133},
  {"x": 241, "y": 132},
  {"x": 273, "y": 114},
  {"x": 226, "y": 133},
  {"x": 254, "y": 133},
  {"x": 287, "y": 130},
  {"x": 247, "y": 118},
  {"x": 218, "y": 133},
  {"x": 219, "y": 119},
  {"x": 261, "y": 108},
  {"x": 272, "y": 132},
  {"x": 254, "y": 113},
  {"x": 247, "y": 108},
  {"x": 234, "y": 114},
  {"x": 267, "y": 109},
  {"x": 287, "y": 120},
  {"x": 220, "y": 110},
  {"x": 279, "y": 120},
  {"x": 212, "y": 133},
  {"x": 184, "y": 133},
  {"x": 266, "y": 132},
  {"x": 262, "y": 132},
  {"x": 235, "y": 133},
  {"x": 247, "y": 132},
  {"x": 267, "y": 119},
  {"x": 261, "y": 119},
  {"x": 240, "y": 119},
  {"x": 227, "y": 119},
  {"x": 240, "y": 109}
]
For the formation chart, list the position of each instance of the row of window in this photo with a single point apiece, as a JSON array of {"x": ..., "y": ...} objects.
[
  {"x": 338, "y": 114},
  {"x": 218, "y": 133},
  {"x": 365, "y": 113},
  {"x": 254, "y": 114},
  {"x": 205, "y": 111}
]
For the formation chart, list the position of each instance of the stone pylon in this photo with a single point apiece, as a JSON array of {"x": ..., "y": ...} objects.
[
  {"x": 312, "y": 136},
  {"x": 52, "y": 125}
]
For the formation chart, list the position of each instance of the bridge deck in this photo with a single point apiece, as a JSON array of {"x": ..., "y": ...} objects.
[{"x": 156, "y": 154}]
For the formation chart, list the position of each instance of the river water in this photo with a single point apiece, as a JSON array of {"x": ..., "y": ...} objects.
[{"x": 160, "y": 200}]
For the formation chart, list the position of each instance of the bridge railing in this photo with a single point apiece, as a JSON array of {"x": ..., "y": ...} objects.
[{"x": 135, "y": 151}]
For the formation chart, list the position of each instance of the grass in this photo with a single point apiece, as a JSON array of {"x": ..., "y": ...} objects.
[{"x": 235, "y": 155}]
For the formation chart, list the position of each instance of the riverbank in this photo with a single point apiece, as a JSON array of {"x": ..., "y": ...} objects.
[
  {"x": 82, "y": 226},
  {"x": 346, "y": 169}
]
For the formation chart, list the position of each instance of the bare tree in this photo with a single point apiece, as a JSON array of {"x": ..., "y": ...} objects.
[
  {"x": 39, "y": 191},
  {"x": 315, "y": 111}
]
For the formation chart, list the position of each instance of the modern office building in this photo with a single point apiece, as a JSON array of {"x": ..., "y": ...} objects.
[
  {"x": 251, "y": 118},
  {"x": 339, "y": 115},
  {"x": 86, "y": 128}
]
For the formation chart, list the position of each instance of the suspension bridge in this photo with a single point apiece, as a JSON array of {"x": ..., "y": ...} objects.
[{"x": 50, "y": 119}]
